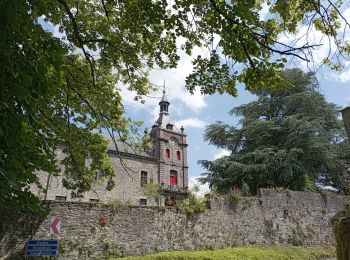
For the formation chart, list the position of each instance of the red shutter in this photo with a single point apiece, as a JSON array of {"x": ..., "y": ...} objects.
[{"x": 173, "y": 177}]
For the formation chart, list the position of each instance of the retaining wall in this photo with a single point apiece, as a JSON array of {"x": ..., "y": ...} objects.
[{"x": 95, "y": 230}]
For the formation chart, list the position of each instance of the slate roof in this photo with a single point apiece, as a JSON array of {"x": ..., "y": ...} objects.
[
  {"x": 124, "y": 148},
  {"x": 163, "y": 120}
]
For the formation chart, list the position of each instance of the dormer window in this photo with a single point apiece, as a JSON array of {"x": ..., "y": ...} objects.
[{"x": 169, "y": 126}]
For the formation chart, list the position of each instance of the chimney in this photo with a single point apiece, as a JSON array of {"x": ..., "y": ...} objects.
[{"x": 346, "y": 118}]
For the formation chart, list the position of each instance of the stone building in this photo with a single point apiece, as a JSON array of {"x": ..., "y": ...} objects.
[{"x": 166, "y": 165}]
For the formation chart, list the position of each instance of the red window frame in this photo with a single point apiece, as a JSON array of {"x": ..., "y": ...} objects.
[
  {"x": 173, "y": 177},
  {"x": 178, "y": 155},
  {"x": 167, "y": 153}
]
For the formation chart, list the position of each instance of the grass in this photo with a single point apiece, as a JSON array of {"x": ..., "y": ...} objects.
[{"x": 280, "y": 252}]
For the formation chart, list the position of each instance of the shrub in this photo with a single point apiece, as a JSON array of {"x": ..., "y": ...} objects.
[
  {"x": 192, "y": 205},
  {"x": 152, "y": 190},
  {"x": 235, "y": 194}
]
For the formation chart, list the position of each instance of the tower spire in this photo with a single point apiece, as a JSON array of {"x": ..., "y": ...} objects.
[{"x": 164, "y": 103}]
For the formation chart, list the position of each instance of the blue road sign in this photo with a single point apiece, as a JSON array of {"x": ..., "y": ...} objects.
[{"x": 42, "y": 248}]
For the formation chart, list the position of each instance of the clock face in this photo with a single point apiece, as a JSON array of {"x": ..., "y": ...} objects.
[{"x": 172, "y": 142}]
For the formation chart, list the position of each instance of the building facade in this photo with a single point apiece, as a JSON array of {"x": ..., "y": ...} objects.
[{"x": 165, "y": 165}]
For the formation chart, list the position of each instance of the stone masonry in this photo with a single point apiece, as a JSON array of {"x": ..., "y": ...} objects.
[{"x": 96, "y": 230}]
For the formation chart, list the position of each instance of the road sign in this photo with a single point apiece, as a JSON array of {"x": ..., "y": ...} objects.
[
  {"x": 42, "y": 248},
  {"x": 55, "y": 226}
]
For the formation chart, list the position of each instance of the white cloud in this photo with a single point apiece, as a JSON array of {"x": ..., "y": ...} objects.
[
  {"x": 175, "y": 81},
  {"x": 175, "y": 86},
  {"x": 203, "y": 188},
  {"x": 265, "y": 9},
  {"x": 221, "y": 153},
  {"x": 191, "y": 122},
  {"x": 344, "y": 76}
]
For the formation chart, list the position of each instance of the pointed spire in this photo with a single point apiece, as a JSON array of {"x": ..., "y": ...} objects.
[
  {"x": 164, "y": 121},
  {"x": 164, "y": 103}
]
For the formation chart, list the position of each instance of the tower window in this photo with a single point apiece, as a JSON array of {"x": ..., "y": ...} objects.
[
  {"x": 173, "y": 177},
  {"x": 143, "y": 181},
  {"x": 167, "y": 153},
  {"x": 178, "y": 155},
  {"x": 169, "y": 126},
  {"x": 61, "y": 198}
]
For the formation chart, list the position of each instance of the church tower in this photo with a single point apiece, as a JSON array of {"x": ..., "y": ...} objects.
[{"x": 170, "y": 150}]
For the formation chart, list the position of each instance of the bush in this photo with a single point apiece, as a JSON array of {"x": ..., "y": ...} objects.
[
  {"x": 192, "y": 205},
  {"x": 235, "y": 194},
  {"x": 152, "y": 190}
]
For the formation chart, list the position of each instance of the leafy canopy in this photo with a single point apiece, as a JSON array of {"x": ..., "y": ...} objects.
[
  {"x": 58, "y": 93},
  {"x": 289, "y": 138}
]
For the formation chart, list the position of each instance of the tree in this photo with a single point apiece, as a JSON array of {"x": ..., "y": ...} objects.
[
  {"x": 289, "y": 138},
  {"x": 59, "y": 93}
]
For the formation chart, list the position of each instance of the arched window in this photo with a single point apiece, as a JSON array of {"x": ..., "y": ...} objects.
[
  {"x": 173, "y": 177},
  {"x": 167, "y": 153},
  {"x": 178, "y": 155}
]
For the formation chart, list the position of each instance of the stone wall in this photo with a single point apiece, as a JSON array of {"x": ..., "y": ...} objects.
[
  {"x": 96, "y": 229},
  {"x": 127, "y": 180}
]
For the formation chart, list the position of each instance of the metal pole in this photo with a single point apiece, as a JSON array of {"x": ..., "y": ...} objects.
[{"x": 47, "y": 186}]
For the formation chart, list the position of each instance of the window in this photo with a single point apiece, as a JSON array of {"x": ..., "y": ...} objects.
[
  {"x": 61, "y": 198},
  {"x": 169, "y": 126},
  {"x": 173, "y": 177},
  {"x": 143, "y": 202},
  {"x": 143, "y": 181},
  {"x": 178, "y": 155},
  {"x": 167, "y": 153}
]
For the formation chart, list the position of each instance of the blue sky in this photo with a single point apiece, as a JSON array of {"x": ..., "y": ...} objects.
[{"x": 195, "y": 112}]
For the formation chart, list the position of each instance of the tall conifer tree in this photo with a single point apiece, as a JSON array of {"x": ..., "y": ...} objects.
[{"x": 289, "y": 138}]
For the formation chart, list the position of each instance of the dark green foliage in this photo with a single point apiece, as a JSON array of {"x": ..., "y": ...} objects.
[{"x": 288, "y": 138}]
